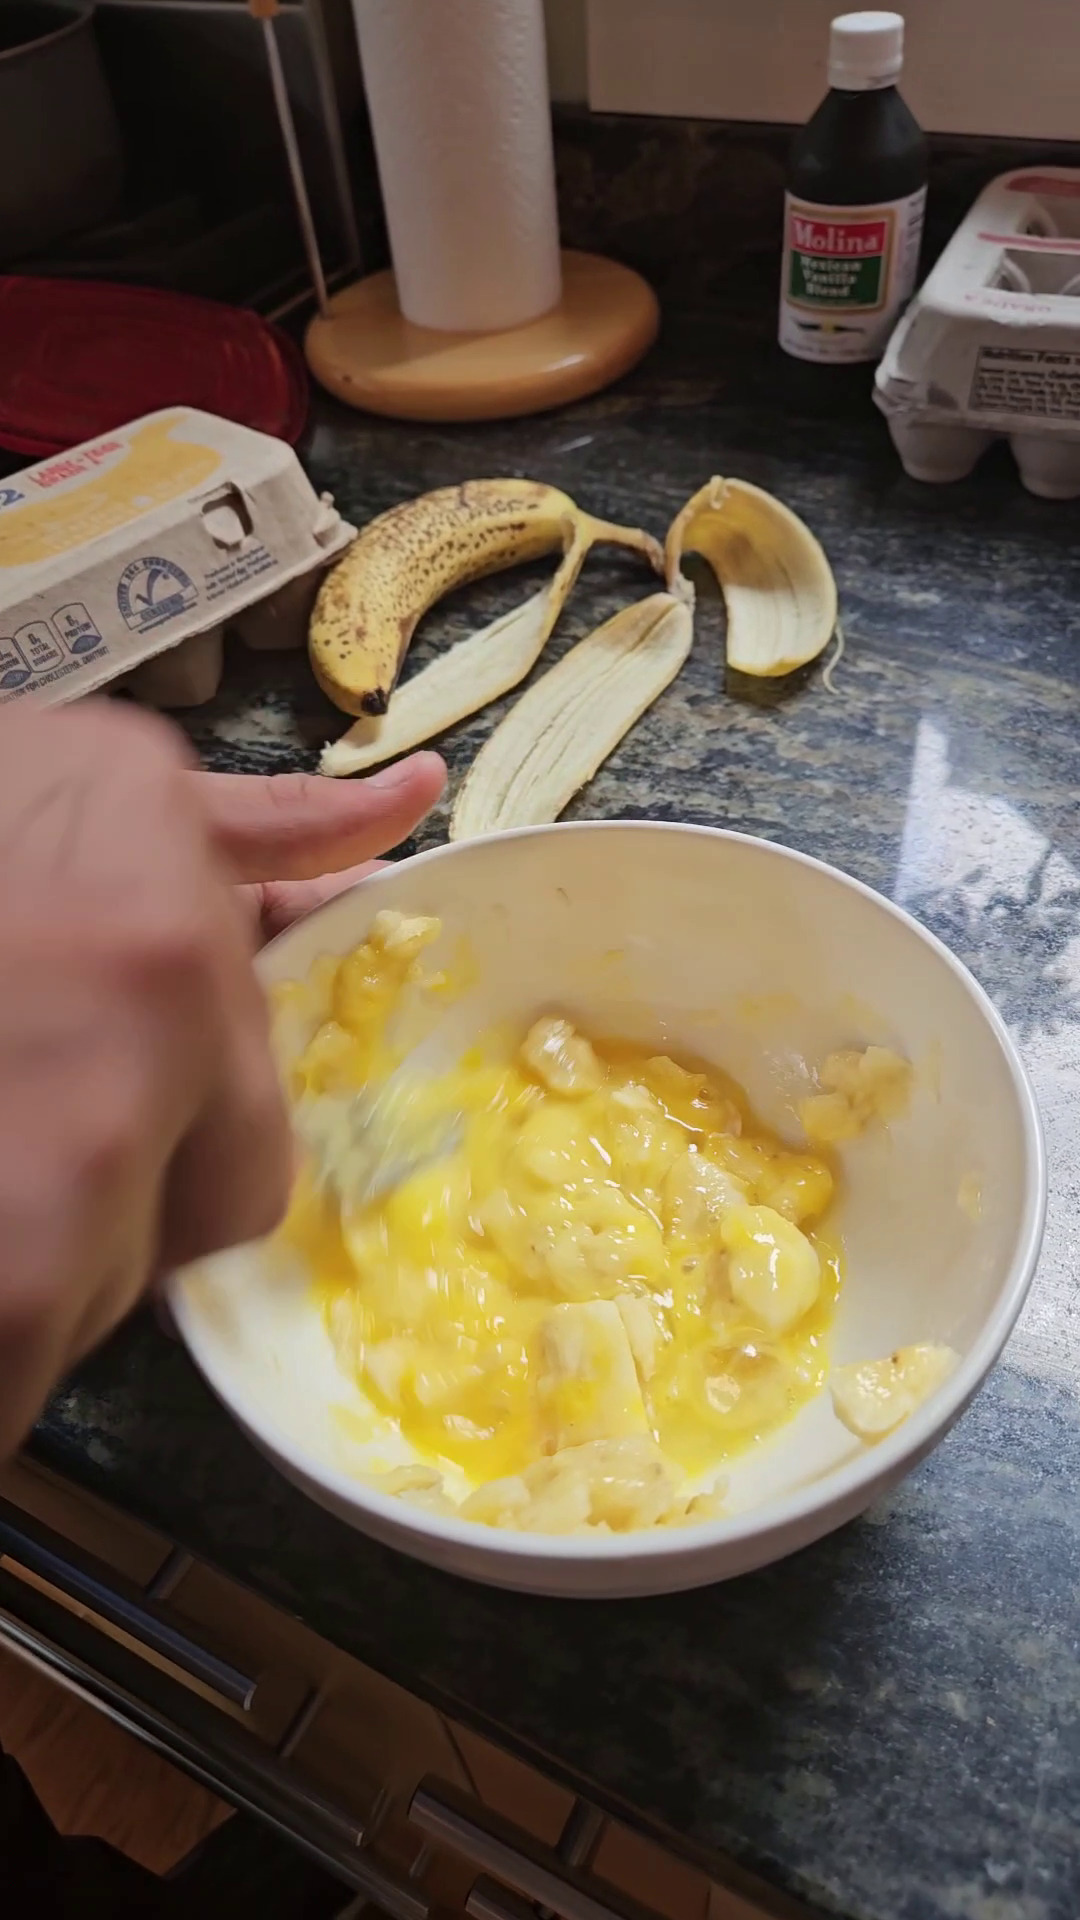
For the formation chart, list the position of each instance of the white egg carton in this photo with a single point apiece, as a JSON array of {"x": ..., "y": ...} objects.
[
  {"x": 125, "y": 560},
  {"x": 990, "y": 346}
]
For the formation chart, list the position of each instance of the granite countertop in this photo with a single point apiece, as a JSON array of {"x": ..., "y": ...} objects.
[{"x": 888, "y": 1726}]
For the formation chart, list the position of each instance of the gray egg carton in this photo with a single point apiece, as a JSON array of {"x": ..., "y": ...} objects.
[{"x": 989, "y": 348}]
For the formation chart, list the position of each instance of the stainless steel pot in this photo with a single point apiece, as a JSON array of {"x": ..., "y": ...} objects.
[{"x": 61, "y": 160}]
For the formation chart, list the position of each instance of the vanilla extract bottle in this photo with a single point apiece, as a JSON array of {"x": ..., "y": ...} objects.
[{"x": 854, "y": 207}]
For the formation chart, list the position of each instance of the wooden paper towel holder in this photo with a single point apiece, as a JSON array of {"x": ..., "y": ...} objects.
[{"x": 363, "y": 350}]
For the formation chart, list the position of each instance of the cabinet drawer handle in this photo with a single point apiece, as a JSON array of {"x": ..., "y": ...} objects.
[
  {"x": 92, "y": 1584},
  {"x": 515, "y": 1859},
  {"x": 198, "y": 1737}
]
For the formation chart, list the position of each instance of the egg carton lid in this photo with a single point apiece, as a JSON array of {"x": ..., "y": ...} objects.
[
  {"x": 140, "y": 539},
  {"x": 994, "y": 331},
  {"x": 990, "y": 345}
]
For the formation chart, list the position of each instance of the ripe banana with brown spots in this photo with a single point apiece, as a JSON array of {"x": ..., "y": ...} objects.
[{"x": 371, "y": 603}]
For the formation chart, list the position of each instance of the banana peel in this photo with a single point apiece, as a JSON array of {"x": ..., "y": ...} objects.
[
  {"x": 468, "y": 676},
  {"x": 560, "y": 731},
  {"x": 406, "y": 560},
  {"x": 778, "y": 587}
]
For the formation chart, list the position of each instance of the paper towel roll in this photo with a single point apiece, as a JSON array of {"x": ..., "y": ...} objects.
[{"x": 458, "y": 95}]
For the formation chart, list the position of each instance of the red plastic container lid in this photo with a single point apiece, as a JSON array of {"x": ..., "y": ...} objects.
[{"x": 80, "y": 357}]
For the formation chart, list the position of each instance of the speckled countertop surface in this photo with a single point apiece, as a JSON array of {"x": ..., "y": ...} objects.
[{"x": 888, "y": 1726}]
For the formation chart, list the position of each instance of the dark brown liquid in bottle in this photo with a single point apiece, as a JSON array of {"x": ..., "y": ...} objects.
[{"x": 857, "y": 150}]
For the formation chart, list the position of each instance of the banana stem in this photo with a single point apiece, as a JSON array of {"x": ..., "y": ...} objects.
[
  {"x": 606, "y": 533},
  {"x": 566, "y": 573}
]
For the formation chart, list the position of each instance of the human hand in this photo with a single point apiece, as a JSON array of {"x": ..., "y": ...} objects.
[
  {"x": 296, "y": 840},
  {"x": 141, "y": 1124}
]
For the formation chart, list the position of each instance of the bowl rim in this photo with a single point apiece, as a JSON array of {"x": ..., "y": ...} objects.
[{"x": 872, "y": 1467}]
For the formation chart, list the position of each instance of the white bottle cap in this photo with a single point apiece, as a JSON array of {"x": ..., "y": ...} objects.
[{"x": 866, "y": 50}]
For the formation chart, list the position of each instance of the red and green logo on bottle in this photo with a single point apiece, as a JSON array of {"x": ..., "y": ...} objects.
[
  {"x": 847, "y": 273},
  {"x": 838, "y": 263}
]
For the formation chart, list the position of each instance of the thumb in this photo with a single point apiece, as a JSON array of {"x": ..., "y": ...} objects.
[{"x": 296, "y": 826}]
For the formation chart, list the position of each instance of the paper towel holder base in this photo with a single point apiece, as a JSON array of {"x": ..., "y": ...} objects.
[{"x": 366, "y": 353}]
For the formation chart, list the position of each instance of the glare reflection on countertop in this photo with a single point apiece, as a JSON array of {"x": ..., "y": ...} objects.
[{"x": 974, "y": 857}]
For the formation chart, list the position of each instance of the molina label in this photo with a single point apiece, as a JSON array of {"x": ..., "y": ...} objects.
[
  {"x": 838, "y": 263},
  {"x": 847, "y": 273}
]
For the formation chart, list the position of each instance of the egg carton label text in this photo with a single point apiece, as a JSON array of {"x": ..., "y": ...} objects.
[{"x": 1030, "y": 382}]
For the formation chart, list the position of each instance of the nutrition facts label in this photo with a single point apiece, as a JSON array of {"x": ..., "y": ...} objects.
[{"x": 1036, "y": 381}]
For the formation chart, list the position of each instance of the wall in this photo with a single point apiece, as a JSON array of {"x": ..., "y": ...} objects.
[
  {"x": 567, "y": 56},
  {"x": 974, "y": 66}
]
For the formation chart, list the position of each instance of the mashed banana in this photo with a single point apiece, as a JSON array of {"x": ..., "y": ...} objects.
[{"x": 615, "y": 1282}]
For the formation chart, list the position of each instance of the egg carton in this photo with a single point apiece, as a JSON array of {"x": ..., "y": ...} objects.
[
  {"x": 990, "y": 346},
  {"x": 127, "y": 559}
]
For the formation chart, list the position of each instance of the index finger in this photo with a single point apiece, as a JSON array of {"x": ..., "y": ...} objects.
[{"x": 297, "y": 826}]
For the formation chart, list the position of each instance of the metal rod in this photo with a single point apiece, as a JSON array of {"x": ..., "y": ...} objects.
[
  {"x": 581, "y": 1835},
  {"x": 90, "y": 1584},
  {"x": 296, "y": 166},
  {"x": 331, "y": 122},
  {"x": 512, "y": 1856},
  {"x": 578, "y": 1841},
  {"x": 300, "y": 1723},
  {"x": 202, "y": 1741},
  {"x": 175, "y": 1567},
  {"x": 279, "y": 306},
  {"x": 489, "y": 1901}
]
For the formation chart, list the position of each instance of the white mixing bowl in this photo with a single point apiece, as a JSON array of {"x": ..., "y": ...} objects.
[{"x": 763, "y": 961}]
